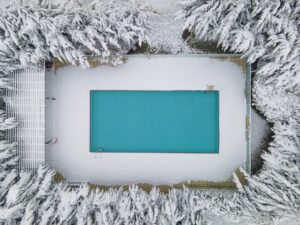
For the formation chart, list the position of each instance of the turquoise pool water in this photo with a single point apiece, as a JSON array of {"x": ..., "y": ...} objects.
[{"x": 154, "y": 121}]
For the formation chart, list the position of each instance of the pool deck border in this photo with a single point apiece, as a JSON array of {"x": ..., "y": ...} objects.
[
  {"x": 247, "y": 72},
  {"x": 246, "y": 69}
]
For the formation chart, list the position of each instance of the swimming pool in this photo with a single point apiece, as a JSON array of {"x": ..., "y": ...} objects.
[{"x": 154, "y": 121}]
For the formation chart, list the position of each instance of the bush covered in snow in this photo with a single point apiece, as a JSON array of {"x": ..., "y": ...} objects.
[{"x": 265, "y": 32}]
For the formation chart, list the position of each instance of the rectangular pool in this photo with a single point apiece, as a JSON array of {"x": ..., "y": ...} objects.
[{"x": 154, "y": 121}]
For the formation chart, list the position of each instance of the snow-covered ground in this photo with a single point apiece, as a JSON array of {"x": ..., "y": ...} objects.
[
  {"x": 68, "y": 120},
  {"x": 260, "y": 136},
  {"x": 165, "y": 31}
]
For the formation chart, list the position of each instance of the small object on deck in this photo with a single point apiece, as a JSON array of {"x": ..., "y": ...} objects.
[
  {"x": 52, "y": 141},
  {"x": 210, "y": 87},
  {"x": 50, "y": 98},
  {"x": 99, "y": 154}
]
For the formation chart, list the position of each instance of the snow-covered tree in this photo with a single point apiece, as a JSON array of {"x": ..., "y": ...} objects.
[
  {"x": 276, "y": 189},
  {"x": 8, "y": 156},
  {"x": 267, "y": 33},
  {"x": 264, "y": 32},
  {"x": 22, "y": 192},
  {"x": 71, "y": 31}
]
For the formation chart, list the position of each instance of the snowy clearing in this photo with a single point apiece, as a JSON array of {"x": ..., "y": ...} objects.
[{"x": 68, "y": 120}]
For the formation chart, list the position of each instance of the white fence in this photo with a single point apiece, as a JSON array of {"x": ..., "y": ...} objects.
[{"x": 26, "y": 102}]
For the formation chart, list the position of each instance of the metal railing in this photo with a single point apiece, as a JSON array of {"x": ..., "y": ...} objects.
[{"x": 26, "y": 103}]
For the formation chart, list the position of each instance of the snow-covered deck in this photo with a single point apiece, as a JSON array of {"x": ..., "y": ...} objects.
[{"x": 68, "y": 120}]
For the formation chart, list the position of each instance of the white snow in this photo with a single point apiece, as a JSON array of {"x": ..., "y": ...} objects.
[
  {"x": 166, "y": 28},
  {"x": 68, "y": 120},
  {"x": 260, "y": 131}
]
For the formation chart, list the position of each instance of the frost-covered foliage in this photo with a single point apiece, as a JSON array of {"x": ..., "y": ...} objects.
[
  {"x": 37, "y": 200},
  {"x": 7, "y": 150},
  {"x": 266, "y": 31},
  {"x": 21, "y": 193},
  {"x": 275, "y": 191},
  {"x": 36, "y": 30},
  {"x": 7, "y": 154}
]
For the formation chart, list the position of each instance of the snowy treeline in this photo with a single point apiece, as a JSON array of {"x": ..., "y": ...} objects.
[
  {"x": 265, "y": 31},
  {"x": 28, "y": 198},
  {"x": 31, "y": 31},
  {"x": 34, "y": 199},
  {"x": 267, "y": 34}
]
